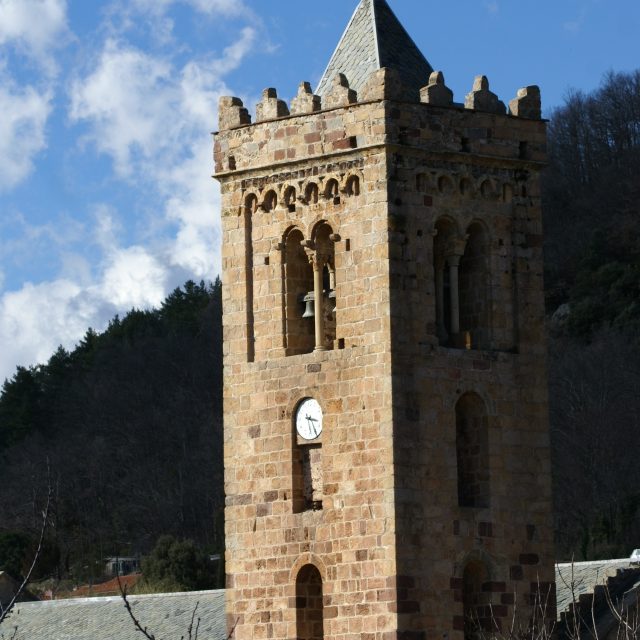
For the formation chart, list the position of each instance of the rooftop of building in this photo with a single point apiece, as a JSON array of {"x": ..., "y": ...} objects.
[
  {"x": 373, "y": 39},
  {"x": 166, "y": 615}
]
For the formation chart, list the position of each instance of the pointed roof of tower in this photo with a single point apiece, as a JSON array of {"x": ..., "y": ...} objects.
[{"x": 373, "y": 39}]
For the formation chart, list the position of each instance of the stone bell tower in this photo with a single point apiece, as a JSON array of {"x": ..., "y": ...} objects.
[{"x": 386, "y": 437}]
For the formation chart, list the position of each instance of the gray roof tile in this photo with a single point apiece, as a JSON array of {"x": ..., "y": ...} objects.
[
  {"x": 373, "y": 39},
  {"x": 166, "y": 615},
  {"x": 574, "y": 579}
]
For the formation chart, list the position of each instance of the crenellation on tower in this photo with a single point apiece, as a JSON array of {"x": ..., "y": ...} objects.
[
  {"x": 481, "y": 99},
  {"x": 436, "y": 93},
  {"x": 271, "y": 107},
  {"x": 306, "y": 101},
  {"x": 386, "y": 439}
]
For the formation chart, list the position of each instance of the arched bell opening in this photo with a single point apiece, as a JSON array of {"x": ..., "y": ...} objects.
[
  {"x": 473, "y": 287},
  {"x": 325, "y": 285},
  {"x": 445, "y": 232},
  {"x": 472, "y": 451},
  {"x": 298, "y": 296},
  {"x": 309, "y": 604}
]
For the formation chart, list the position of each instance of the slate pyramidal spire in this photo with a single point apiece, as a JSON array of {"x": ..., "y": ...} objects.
[{"x": 373, "y": 39}]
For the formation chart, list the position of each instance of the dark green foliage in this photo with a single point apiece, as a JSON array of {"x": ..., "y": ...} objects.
[
  {"x": 592, "y": 253},
  {"x": 130, "y": 421},
  {"x": 13, "y": 553},
  {"x": 595, "y": 431},
  {"x": 19, "y": 406},
  {"x": 178, "y": 565},
  {"x": 606, "y": 295},
  {"x": 592, "y": 207}
]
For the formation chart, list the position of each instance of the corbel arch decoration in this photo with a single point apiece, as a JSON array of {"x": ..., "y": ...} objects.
[
  {"x": 332, "y": 191},
  {"x": 466, "y": 187},
  {"x": 289, "y": 195},
  {"x": 487, "y": 188},
  {"x": 445, "y": 184},
  {"x": 352, "y": 185},
  {"x": 422, "y": 182},
  {"x": 269, "y": 201},
  {"x": 311, "y": 193}
]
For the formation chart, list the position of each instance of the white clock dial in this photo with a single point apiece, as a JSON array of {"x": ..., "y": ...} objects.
[{"x": 309, "y": 419}]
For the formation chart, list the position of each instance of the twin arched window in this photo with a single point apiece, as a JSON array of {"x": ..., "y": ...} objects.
[{"x": 309, "y": 290}]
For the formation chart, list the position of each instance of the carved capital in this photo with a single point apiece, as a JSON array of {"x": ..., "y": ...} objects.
[
  {"x": 455, "y": 248},
  {"x": 316, "y": 259}
]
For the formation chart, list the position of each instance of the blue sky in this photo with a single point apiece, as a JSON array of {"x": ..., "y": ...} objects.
[{"x": 106, "y": 200}]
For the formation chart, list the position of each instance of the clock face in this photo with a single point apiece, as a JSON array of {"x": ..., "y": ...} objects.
[{"x": 309, "y": 419}]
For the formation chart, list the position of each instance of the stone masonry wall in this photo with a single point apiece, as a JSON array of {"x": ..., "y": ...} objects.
[{"x": 390, "y": 542}]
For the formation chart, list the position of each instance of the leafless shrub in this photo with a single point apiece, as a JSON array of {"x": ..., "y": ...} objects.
[{"x": 5, "y": 612}]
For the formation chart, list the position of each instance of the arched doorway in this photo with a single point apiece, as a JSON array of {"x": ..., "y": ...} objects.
[{"x": 309, "y": 608}]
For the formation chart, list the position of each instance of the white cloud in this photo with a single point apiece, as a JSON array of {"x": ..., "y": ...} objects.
[
  {"x": 34, "y": 26},
  {"x": 133, "y": 278},
  {"x": 34, "y": 320},
  {"x": 152, "y": 116},
  {"x": 37, "y": 318},
  {"x": 154, "y": 121},
  {"x": 22, "y": 130},
  {"x": 575, "y": 25},
  {"x": 127, "y": 99},
  {"x": 156, "y": 16},
  {"x": 492, "y": 6},
  {"x": 223, "y": 7},
  {"x": 138, "y": 105}
]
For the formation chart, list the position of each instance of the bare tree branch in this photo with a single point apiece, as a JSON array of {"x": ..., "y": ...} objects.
[{"x": 4, "y": 613}]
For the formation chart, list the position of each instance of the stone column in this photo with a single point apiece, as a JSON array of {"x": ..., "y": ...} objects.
[
  {"x": 439, "y": 281},
  {"x": 455, "y": 251},
  {"x": 318, "y": 262},
  {"x": 454, "y": 262}
]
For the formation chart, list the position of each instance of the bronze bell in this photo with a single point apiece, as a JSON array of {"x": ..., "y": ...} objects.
[
  {"x": 332, "y": 300},
  {"x": 309, "y": 308}
]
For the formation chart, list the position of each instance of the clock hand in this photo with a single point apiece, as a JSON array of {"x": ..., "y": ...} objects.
[{"x": 311, "y": 420}]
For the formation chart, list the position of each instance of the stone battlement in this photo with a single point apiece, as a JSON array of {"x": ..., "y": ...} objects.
[
  {"x": 384, "y": 84},
  {"x": 343, "y": 122}
]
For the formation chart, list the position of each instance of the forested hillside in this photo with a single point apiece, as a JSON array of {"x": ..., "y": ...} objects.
[
  {"x": 129, "y": 422},
  {"x": 592, "y": 254}
]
